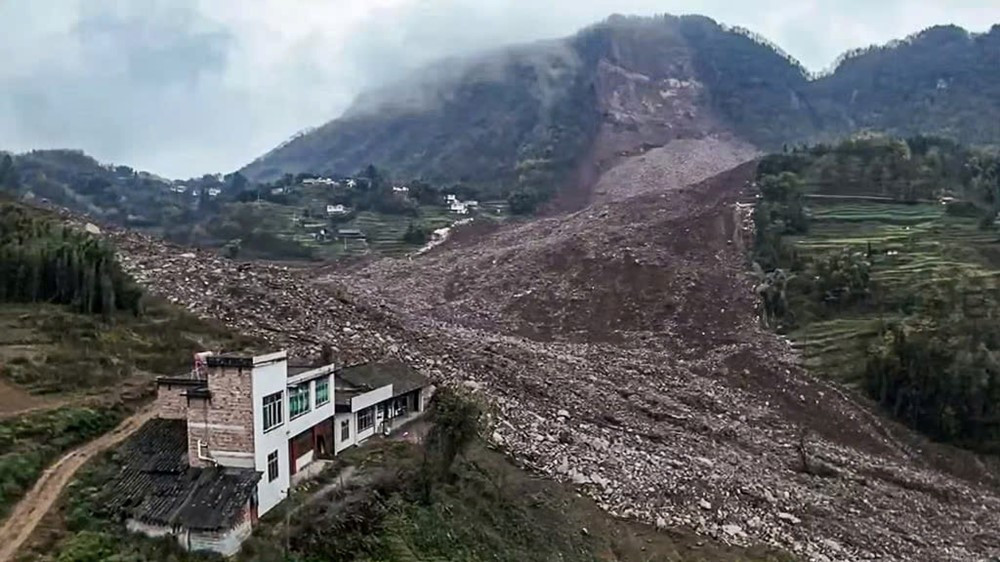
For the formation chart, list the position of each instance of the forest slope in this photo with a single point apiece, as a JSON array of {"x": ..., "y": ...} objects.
[{"x": 537, "y": 117}]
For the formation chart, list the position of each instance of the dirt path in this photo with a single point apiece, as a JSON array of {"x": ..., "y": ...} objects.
[{"x": 43, "y": 495}]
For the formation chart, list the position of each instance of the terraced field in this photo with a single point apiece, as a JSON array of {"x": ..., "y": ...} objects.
[{"x": 912, "y": 246}]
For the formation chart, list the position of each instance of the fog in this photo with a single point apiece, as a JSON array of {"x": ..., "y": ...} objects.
[{"x": 186, "y": 87}]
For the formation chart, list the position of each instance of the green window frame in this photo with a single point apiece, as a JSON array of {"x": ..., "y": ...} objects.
[
  {"x": 298, "y": 400},
  {"x": 322, "y": 391}
]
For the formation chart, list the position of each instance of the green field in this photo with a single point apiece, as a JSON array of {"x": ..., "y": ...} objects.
[
  {"x": 913, "y": 246},
  {"x": 383, "y": 232}
]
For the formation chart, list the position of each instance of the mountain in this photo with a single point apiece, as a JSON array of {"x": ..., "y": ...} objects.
[
  {"x": 76, "y": 181},
  {"x": 942, "y": 80},
  {"x": 536, "y": 117}
]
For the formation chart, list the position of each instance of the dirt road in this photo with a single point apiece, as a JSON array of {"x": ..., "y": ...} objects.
[{"x": 39, "y": 500}]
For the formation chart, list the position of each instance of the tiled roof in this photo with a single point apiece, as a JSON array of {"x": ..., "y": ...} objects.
[
  {"x": 380, "y": 373},
  {"x": 156, "y": 486}
]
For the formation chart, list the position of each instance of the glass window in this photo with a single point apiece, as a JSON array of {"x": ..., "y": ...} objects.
[
  {"x": 366, "y": 419},
  {"x": 272, "y": 466},
  {"x": 298, "y": 400},
  {"x": 345, "y": 430},
  {"x": 322, "y": 391},
  {"x": 273, "y": 416}
]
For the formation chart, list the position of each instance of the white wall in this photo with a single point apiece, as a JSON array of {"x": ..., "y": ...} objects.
[
  {"x": 268, "y": 379},
  {"x": 339, "y": 444},
  {"x": 362, "y": 401},
  {"x": 226, "y": 544},
  {"x": 316, "y": 415}
]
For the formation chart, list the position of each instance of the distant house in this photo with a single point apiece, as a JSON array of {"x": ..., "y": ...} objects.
[
  {"x": 178, "y": 188},
  {"x": 214, "y": 192},
  {"x": 352, "y": 183},
  {"x": 350, "y": 234},
  {"x": 321, "y": 181},
  {"x": 235, "y": 434},
  {"x": 450, "y": 198},
  {"x": 277, "y": 190},
  {"x": 338, "y": 209},
  {"x": 400, "y": 189},
  {"x": 462, "y": 207}
]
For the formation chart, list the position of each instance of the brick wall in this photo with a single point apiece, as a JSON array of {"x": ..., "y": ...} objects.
[
  {"x": 224, "y": 421},
  {"x": 170, "y": 402}
]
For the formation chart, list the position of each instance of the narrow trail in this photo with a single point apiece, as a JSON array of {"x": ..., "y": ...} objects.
[{"x": 28, "y": 512}]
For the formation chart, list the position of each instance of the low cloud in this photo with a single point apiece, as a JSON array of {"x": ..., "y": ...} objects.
[{"x": 185, "y": 87}]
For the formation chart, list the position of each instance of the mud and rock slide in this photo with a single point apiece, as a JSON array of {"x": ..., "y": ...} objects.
[{"x": 621, "y": 349}]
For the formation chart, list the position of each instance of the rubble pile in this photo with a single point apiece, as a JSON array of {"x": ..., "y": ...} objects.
[{"x": 620, "y": 349}]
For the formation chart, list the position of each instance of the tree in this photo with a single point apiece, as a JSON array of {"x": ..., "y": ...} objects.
[
  {"x": 415, "y": 234},
  {"x": 237, "y": 182},
  {"x": 522, "y": 201},
  {"x": 232, "y": 248},
  {"x": 455, "y": 418}
]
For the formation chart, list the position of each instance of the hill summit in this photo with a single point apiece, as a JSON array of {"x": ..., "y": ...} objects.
[{"x": 536, "y": 117}]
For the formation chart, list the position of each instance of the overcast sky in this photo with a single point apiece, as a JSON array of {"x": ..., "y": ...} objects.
[{"x": 186, "y": 87}]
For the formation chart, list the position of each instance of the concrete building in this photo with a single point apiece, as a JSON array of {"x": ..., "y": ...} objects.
[{"x": 233, "y": 436}]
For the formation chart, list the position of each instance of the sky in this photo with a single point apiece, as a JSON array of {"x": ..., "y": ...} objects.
[{"x": 187, "y": 87}]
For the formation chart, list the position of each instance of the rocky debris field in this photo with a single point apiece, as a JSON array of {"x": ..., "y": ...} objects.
[
  {"x": 678, "y": 163},
  {"x": 620, "y": 348}
]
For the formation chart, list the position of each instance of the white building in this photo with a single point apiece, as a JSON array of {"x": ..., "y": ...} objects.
[
  {"x": 321, "y": 181},
  {"x": 336, "y": 210},
  {"x": 400, "y": 189},
  {"x": 239, "y": 431}
]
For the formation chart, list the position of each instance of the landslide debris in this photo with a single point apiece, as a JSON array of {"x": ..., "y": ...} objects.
[{"x": 621, "y": 350}]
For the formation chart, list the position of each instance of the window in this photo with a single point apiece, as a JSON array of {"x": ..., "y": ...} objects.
[
  {"x": 273, "y": 416},
  {"x": 298, "y": 400},
  {"x": 272, "y": 466},
  {"x": 345, "y": 430},
  {"x": 365, "y": 419},
  {"x": 322, "y": 391}
]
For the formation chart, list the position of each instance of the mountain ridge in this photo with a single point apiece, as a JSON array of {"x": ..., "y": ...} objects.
[{"x": 645, "y": 81}]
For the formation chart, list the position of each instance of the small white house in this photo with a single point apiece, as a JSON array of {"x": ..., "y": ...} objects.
[
  {"x": 336, "y": 210},
  {"x": 461, "y": 207},
  {"x": 178, "y": 188},
  {"x": 400, "y": 189},
  {"x": 352, "y": 183},
  {"x": 277, "y": 190},
  {"x": 450, "y": 198},
  {"x": 320, "y": 181},
  {"x": 214, "y": 192}
]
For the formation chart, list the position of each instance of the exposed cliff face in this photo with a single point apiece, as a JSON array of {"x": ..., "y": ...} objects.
[
  {"x": 525, "y": 118},
  {"x": 556, "y": 113}
]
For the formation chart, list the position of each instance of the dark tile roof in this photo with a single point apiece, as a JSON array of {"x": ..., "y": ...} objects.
[
  {"x": 369, "y": 376},
  {"x": 298, "y": 369},
  {"x": 157, "y": 486}
]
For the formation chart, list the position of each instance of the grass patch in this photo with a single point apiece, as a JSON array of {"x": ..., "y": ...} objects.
[
  {"x": 49, "y": 349},
  {"x": 31, "y": 442}
]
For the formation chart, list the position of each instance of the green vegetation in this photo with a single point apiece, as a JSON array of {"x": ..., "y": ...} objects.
[
  {"x": 31, "y": 442},
  {"x": 75, "y": 323},
  {"x": 49, "y": 349},
  {"x": 44, "y": 261},
  {"x": 897, "y": 298}
]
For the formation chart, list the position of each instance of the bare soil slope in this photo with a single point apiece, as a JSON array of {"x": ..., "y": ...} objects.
[{"x": 620, "y": 347}]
